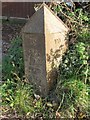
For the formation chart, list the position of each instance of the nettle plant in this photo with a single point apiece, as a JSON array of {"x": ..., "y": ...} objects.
[
  {"x": 74, "y": 76},
  {"x": 12, "y": 71},
  {"x": 75, "y": 63},
  {"x": 74, "y": 72},
  {"x": 13, "y": 63}
]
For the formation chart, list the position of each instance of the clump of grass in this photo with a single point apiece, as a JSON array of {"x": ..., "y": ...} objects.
[{"x": 73, "y": 96}]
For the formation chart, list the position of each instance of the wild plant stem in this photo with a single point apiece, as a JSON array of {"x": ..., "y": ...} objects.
[{"x": 61, "y": 102}]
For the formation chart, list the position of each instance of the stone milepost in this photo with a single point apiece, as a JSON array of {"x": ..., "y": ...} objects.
[{"x": 44, "y": 43}]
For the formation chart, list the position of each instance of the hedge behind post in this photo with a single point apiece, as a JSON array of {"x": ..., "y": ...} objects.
[{"x": 44, "y": 44}]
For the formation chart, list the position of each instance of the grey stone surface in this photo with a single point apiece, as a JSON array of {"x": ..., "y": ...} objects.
[{"x": 44, "y": 43}]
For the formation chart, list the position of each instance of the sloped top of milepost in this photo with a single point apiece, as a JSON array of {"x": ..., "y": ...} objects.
[{"x": 45, "y": 21}]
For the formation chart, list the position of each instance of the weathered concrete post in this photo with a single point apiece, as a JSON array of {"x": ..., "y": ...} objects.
[{"x": 44, "y": 44}]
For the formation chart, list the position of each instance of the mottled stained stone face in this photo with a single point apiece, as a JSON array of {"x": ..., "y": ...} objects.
[{"x": 44, "y": 43}]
